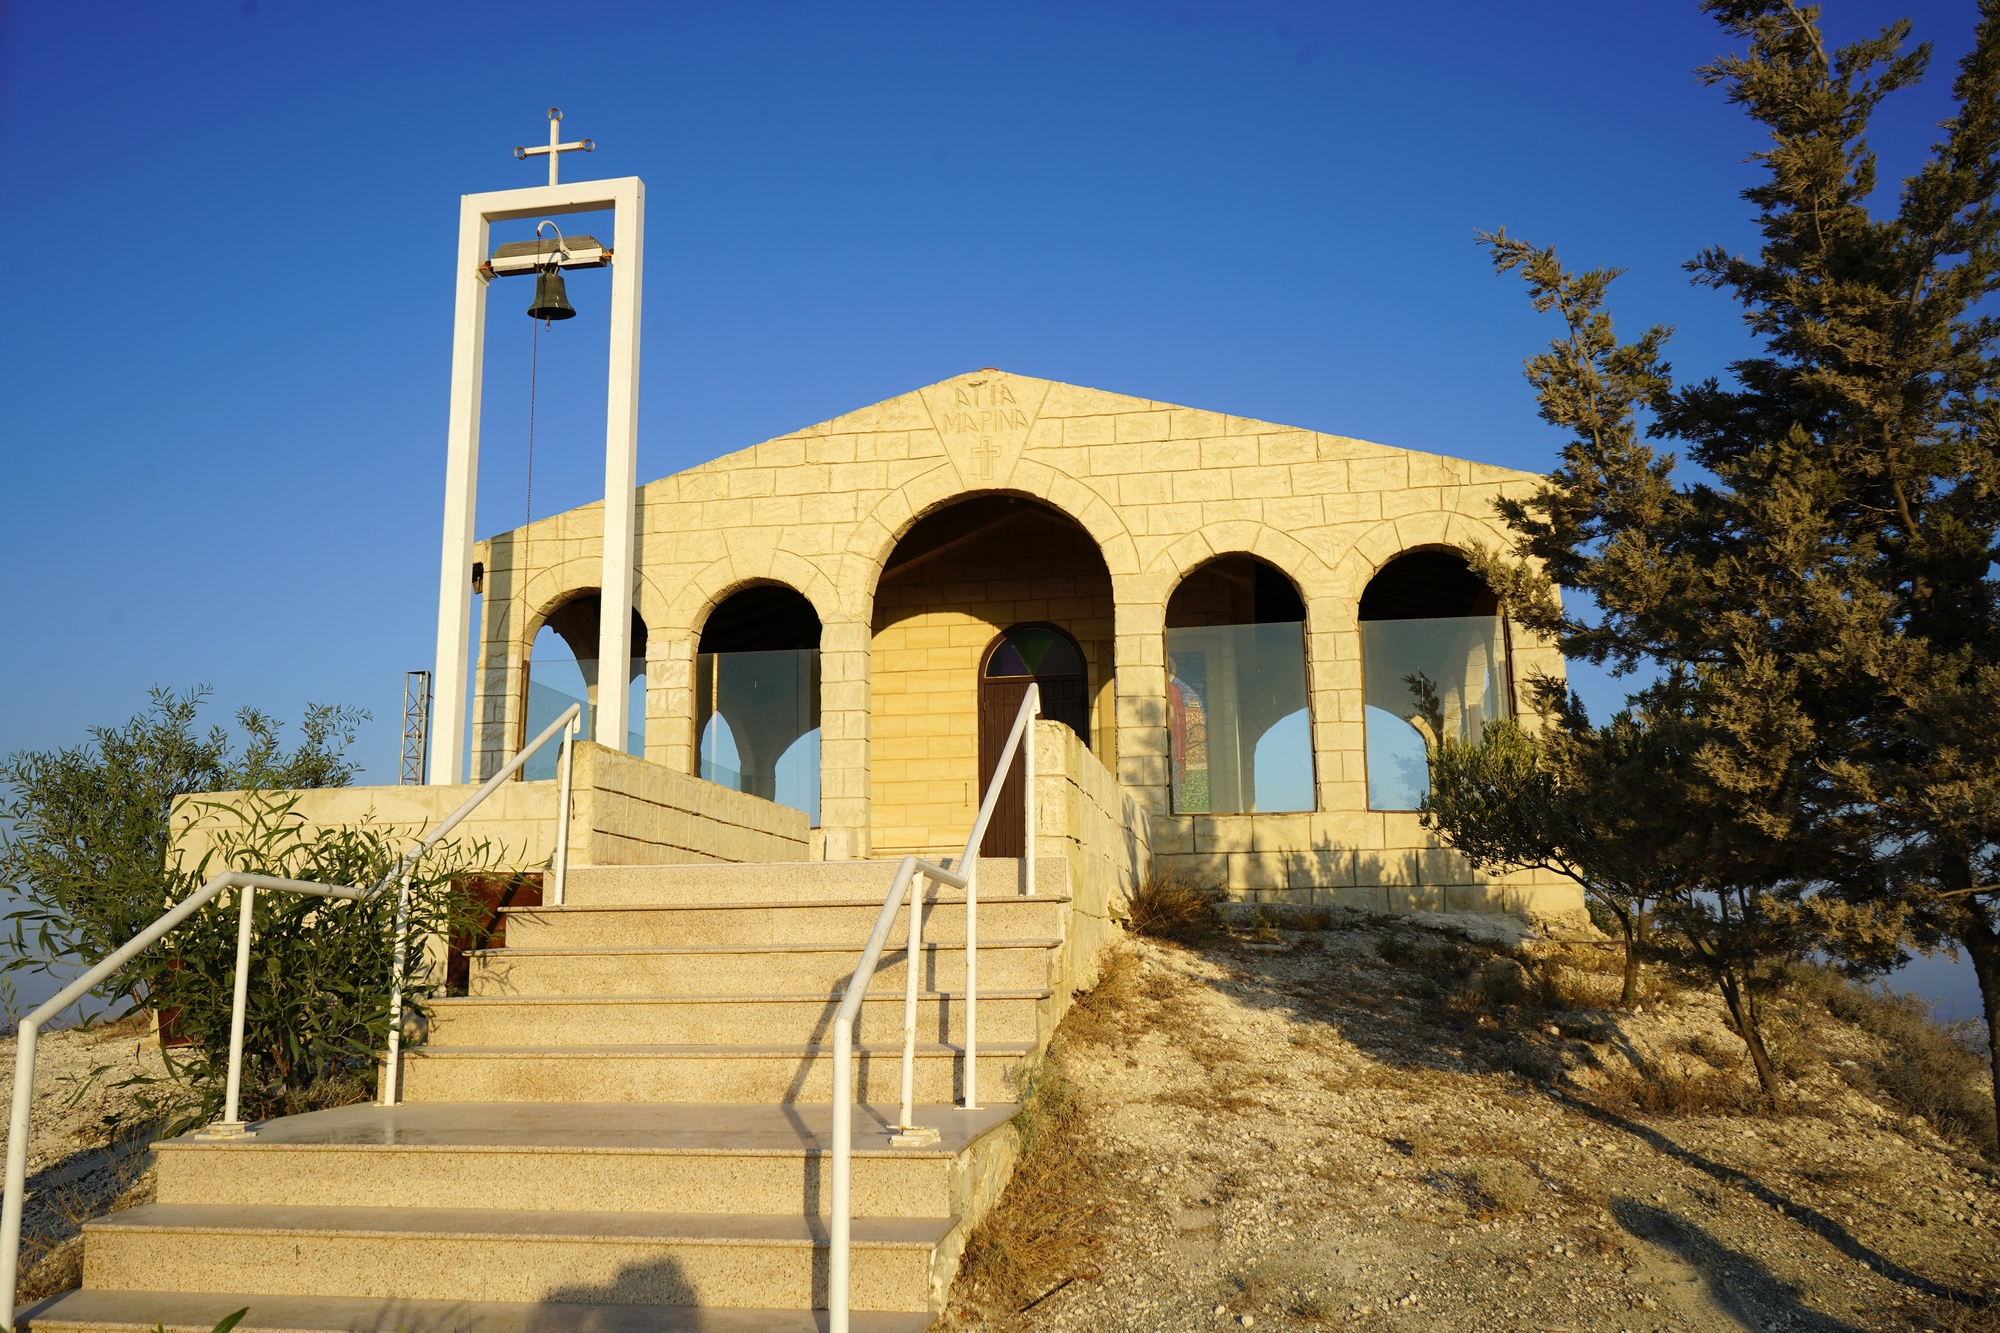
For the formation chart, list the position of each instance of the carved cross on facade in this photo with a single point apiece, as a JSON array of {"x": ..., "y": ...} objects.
[
  {"x": 555, "y": 150},
  {"x": 988, "y": 454}
]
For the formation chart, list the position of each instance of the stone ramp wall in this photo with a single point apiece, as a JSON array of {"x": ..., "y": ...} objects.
[
  {"x": 1103, "y": 836},
  {"x": 624, "y": 811}
]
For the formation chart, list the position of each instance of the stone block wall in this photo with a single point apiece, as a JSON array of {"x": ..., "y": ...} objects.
[
  {"x": 625, "y": 811},
  {"x": 1157, "y": 489},
  {"x": 1102, "y": 837}
]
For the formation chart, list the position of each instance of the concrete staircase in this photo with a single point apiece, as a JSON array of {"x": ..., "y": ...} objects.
[{"x": 623, "y": 1126}]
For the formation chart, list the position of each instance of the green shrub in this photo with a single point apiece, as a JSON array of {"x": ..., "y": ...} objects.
[{"x": 317, "y": 1006}]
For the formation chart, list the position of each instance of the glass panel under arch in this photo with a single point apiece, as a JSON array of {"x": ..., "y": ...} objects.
[
  {"x": 554, "y": 684},
  {"x": 1239, "y": 732},
  {"x": 757, "y": 718},
  {"x": 1446, "y": 675}
]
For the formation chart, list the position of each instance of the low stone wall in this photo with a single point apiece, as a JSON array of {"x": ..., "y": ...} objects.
[
  {"x": 630, "y": 811},
  {"x": 624, "y": 811},
  {"x": 1376, "y": 861},
  {"x": 1103, "y": 837}
]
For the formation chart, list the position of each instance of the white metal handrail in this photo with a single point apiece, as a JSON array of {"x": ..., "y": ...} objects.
[
  {"x": 966, "y": 876},
  {"x": 566, "y": 722},
  {"x": 248, "y": 884},
  {"x": 30, "y": 1029},
  {"x": 840, "y": 1205}
]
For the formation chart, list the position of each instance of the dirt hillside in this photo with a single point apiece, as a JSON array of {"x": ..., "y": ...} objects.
[{"x": 1379, "y": 1126}]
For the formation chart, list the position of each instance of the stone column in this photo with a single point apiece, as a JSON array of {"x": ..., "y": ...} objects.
[
  {"x": 844, "y": 731},
  {"x": 670, "y": 720},
  {"x": 1142, "y": 703}
]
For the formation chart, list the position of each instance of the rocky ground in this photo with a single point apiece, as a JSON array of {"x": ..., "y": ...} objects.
[
  {"x": 84, "y": 1158},
  {"x": 1386, "y": 1127}
]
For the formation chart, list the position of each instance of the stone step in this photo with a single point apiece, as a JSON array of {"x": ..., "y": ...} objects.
[
  {"x": 90, "y": 1311},
  {"x": 617, "y": 1157},
  {"x": 694, "y": 1073},
  {"x": 589, "y": 1020},
  {"x": 749, "y": 969},
  {"x": 762, "y": 921},
  {"x": 795, "y": 881},
  {"x": 461, "y": 1254}
]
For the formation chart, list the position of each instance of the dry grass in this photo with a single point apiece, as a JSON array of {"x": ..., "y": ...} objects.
[
  {"x": 1046, "y": 1230},
  {"x": 52, "y": 1245},
  {"x": 1667, "y": 1093},
  {"x": 1499, "y": 1185},
  {"x": 1561, "y": 986},
  {"x": 1927, "y": 1068},
  {"x": 1964, "y": 1316},
  {"x": 1168, "y": 905},
  {"x": 1128, "y": 1000}
]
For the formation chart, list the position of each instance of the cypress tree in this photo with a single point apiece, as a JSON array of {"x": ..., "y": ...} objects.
[{"x": 1826, "y": 592}]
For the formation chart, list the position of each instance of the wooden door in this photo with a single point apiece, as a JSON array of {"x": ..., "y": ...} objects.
[
  {"x": 999, "y": 701},
  {"x": 1065, "y": 698}
]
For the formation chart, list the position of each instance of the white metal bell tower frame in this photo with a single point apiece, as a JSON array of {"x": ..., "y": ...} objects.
[{"x": 626, "y": 198}]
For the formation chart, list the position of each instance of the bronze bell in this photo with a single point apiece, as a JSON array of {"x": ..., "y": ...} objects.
[{"x": 551, "y": 301}]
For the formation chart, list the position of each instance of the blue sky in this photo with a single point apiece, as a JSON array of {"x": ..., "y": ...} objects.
[{"x": 233, "y": 223}]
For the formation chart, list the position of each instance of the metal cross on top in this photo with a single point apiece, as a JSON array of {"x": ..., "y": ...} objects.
[{"x": 555, "y": 150}]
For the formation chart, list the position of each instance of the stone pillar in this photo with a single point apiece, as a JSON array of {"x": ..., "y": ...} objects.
[
  {"x": 844, "y": 731},
  {"x": 1142, "y": 703},
  {"x": 670, "y": 720},
  {"x": 499, "y": 687}
]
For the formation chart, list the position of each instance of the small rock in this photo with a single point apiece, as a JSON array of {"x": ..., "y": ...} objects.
[{"x": 1246, "y": 1319}]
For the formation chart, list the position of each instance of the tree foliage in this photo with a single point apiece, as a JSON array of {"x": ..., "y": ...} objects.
[
  {"x": 1822, "y": 592},
  {"x": 85, "y": 857},
  {"x": 1569, "y": 800}
]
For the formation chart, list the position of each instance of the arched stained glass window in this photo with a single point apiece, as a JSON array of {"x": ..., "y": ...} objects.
[{"x": 1034, "y": 651}]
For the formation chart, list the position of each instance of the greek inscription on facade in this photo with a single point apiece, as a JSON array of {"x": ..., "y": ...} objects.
[{"x": 983, "y": 422}]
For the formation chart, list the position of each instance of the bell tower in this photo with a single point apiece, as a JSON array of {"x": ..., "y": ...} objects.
[{"x": 625, "y": 196}]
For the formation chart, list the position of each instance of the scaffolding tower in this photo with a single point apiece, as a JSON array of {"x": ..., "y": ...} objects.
[{"x": 416, "y": 726}]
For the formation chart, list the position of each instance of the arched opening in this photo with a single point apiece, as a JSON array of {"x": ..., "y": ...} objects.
[
  {"x": 563, "y": 670},
  {"x": 1025, "y": 655},
  {"x": 757, "y": 697},
  {"x": 1434, "y": 664},
  {"x": 953, "y": 592},
  {"x": 1239, "y": 723}
]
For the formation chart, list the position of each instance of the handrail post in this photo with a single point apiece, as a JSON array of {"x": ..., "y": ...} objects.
[
  {"x": 840, "y": 1202},
  {"x": 566, "y": 762},
  {"x": 17, "y": 1162},
  {"x": 837, "y": 1259},
  {"x": 1028, "y": 814},
  {"x": 29, "y": 1029},
  {"x": 913, "y": 946},
  {"x": 246, "y": 897},
  {"x": 390, "y": 1067},
  {"x": 971, "y": 873}
]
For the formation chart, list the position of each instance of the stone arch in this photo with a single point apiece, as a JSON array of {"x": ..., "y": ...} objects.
[
  {"x": 874, "y": 538},
  {"x": 1413, "y": 532},
  {"x": 1142, "y": 673},
  {"x": 689, "y": 608},
  {"x": 670, "y": 662}
]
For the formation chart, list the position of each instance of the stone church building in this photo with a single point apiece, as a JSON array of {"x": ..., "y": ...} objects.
[{"x": 1251, "y": 626}]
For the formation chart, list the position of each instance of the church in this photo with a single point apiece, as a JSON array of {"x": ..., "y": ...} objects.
[
  {"x": 1251, "y": 626},
  {"x": 808, "y": 788}
]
